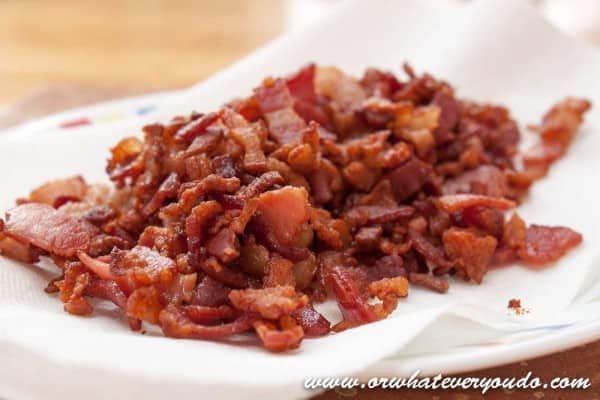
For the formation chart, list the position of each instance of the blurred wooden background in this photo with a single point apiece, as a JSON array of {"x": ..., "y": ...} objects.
[{"x": 139, "y": 45}]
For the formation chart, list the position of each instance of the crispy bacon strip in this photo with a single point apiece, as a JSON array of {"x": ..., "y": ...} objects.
[
  {"x": 175, "y": 323},
  {"x": 458, "y": 202},
  {"x": 49, "y": 229}
]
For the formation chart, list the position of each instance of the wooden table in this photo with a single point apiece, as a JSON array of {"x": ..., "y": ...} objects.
[{"x": 167, "y": 44}]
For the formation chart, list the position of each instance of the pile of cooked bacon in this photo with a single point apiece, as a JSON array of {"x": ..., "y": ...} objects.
[{"x": 318, "y": 184}]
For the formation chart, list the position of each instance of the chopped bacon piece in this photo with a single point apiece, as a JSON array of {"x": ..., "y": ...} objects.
[
  {"x": 397, "y": 286},
  {"x": 175, "y": 323},
  {"x": 429, "y": 250},
  {"x": 210, "y": 292},
  {"x": 561, "y": 122},
  {"x": 181, "y": 290},
  {"x": 347, "y": 294},
  {"x": 102, "y": 269},
  {"x": 284, "y": 211},
  {"x": 312, "y": 322},
  {"x": 54, "y": 192},
  {"x": 457, "y": 202},
  {"x": 270, "y": 303},
  {"x": 16, "y": 250},
  {"x": 278, "y": 340},
  {"x": 332, "y": 231},
  {"x": 126, "y": 160},
  {"x": 279, "y": 272},
  {"x": 368, "y": 237},
  {"x": 206, "y": 315},
  {"x": 557, "y": 130},
  {"x": 49, "y": 229},
  {"x": 143, "y": 266},
  {"x": 276, "y": 103},
  {"x": 249, "y": 136},
  {"x": 72, "y": 288},
  {"x": 409, "y": 178},
  {"x": 471, "y": 254},
  {"x": 168, "y": 189},
  {"x": 428, "y": 281},
  {"x": 196, "y": 127},
  {"x": 230, "y": 277},
  {"x": 544, "y": 244},
  {"x": 108, "y": 290},
  {"x": 341, "y": 88},
  {"x": 224, "y": 245},
  {"x": 376, "y": 214},
  {"x": 144, "y": 304},
  {"x": 488, "y": 180}
]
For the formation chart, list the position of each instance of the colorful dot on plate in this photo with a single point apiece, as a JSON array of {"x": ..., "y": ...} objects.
[
  {"x": 145, "y": 110},
  {"x": 75, "y": 123}
]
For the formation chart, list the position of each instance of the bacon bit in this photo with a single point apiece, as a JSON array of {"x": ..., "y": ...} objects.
[
  {"x": 430, "y": 251},
  {"x": 49, "y": 229},
  {"x": 434, "y": 283},
  {"x": 181, "y": 290},
  {"x": 397, "y": 286},
  {"x": 222, "y": 273},
  {"x": 450, "y": 112},
  {"x": 332, "y": 231},
  {"x": 276, "y": 340},
  {"x": 207, "y": 315},
  {"x": 204, "y": 143},
  {"x": 102, "y": 269},
  {"x": 196, "y": 127},
  {"x": 270, "y": 303},
  {"x": 561, "y": 122},
  {"x": 368, "y": 237},
  {"x": 557, "y": 131},
  {"x": 457, "y": 202},
  {"x": 376, "y": 214},
  {"x": 276, "y": 103},
  {"x": 143, "y": 266},
  {"x": 126, "y": 161},
  {"x": 515, "y": 232},
  {"x": 409, "y": 178},
  {"x": 175, "y": 323},
  {"x": 312, "y": 322},
  {"x": 50, "y": 193},
  {"x": 341, "y": 88},
  {"x": 224, "y": 245},
  {"x": 514, "y": 303},
  {"x": 388, "y": 290},
  {"x": 360, "y": 176},
  {"x": 197, "y": 220},
  {"x": 488, "y": 179},
  {"x": 144, "y": 304},
  {"x": 23, "y": 252},
  {"x": 386, "y": 267},
  {"x": 279, "y": 272},
  {"x": 347, "y": 294},
  {"x": 249, "y": 136},
  {"x": 545, "y": 244},
  {"x": 210, "y": 293},
  {"x": 108, "y": 290},
  {"x": 167, "y": 190},
  {"x": 72, "y": 288},
  {"x": 284, "y": 211},
  {"x": 471, "y": 254}
]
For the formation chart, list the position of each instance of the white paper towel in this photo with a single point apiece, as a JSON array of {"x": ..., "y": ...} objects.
[{"x": 499, "y": 51}]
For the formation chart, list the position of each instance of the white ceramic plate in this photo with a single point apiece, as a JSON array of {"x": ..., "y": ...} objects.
[{"x": 498, "y": 51}]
